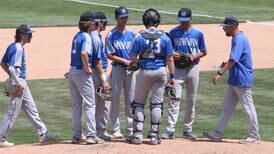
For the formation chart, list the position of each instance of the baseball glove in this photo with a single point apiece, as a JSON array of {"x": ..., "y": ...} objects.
[
  {"x": 171, "y": 92},
  {"x": 133, "y": 66},
  {"x": 184, "y": 61},
  {"x": 103, "y": 94}
]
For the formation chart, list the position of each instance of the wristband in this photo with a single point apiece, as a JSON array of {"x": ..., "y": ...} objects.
[
  {"x": 171, "y": 75},
  {"x": 103, "y": 77},
  {"x": 219, "y": 73}
]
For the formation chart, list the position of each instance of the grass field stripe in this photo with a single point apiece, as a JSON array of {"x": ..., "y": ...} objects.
[
  {"x": 164, "y": 12},
  {"x": 141, "y": 10}
]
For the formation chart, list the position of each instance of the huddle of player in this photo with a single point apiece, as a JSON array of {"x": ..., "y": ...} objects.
[{"x": 162, "y": 60}]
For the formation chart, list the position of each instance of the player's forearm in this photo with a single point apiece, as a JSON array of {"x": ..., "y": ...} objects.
[
  {"x": 99, "y": 69},
  {"x": 85, "y": 59},
  {"x": 118, "y": 59},
  {"x": 200, "y": 55},
  {"x": 13, "y": 74},
  {"x": 170, "y": 64},
  {"x": 5, "y": 67},
  {"x": 227, "y": 66}
]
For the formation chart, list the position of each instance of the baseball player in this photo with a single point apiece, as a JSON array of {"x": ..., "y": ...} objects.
[
  {"x": 102, "y": 106},
  {"x": 80, "y": 80},
  {"x": 154, "y": 49},
  {"x": 14, "y": 64},
  {"x": 118, "y": 43},
  {"x": 240, "y": 82},
  {"x": 186, "y": 40}
]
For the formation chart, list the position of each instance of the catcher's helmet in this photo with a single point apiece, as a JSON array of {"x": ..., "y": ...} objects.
[
  {"x": 151, "y": 17},
  {"x": 102, "y": 94}
]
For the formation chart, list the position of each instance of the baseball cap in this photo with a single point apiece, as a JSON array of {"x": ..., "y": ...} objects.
[
  {"x": 87, "y": 16},
  {"x": 24, "y": 29},
  {"x": 100, "y": 17},
  {"x": 121, "y": 12},
  {"x": 184, "y": 14},
  {"x": 230, "y": 21}
]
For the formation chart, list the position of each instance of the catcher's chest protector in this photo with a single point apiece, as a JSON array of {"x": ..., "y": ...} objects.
[{"x": 153, "y": 39}]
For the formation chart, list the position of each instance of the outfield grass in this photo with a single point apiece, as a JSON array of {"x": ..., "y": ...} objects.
[
  {"x": 66, "y": 13},
  {"x": 52, "y": 99}
]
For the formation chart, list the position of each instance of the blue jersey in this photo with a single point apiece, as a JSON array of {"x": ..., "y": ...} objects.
[
  {"x": 98, "y": 49},
  {"x": 81, "y": 42},
  {"x": 191, "y": 41},
  {"x": 15, "y": 56},
  {"x": 118, "y": 43},
  {"x": 152, "y": 54},
  {"x": 241, "y": 74}
]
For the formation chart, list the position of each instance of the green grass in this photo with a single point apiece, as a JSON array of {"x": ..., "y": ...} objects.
[
  {"x": 53, "y": 101},
  {"x": 66, "y": 13}
]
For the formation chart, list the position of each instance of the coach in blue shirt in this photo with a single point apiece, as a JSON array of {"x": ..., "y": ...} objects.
[{"x": 240, "y": 82}]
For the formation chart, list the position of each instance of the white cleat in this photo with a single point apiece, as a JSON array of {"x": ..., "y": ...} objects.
[{"x": 6, "y": 144}]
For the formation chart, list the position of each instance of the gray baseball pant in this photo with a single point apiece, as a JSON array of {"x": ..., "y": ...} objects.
[
  {"x": 154, "y": 80},
  {"x": 102, "y": 106},
  {"x": 234, "y": 94},
  {"x": 188, "y": 77},
  {"x": 25, "y": 102},
  {"x": 82, "y": 95},
  {"x": 122, "y": 78}
]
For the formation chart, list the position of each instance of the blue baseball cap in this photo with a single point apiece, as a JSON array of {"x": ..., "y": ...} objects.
[
  {"x": 24, "y": 29},
  {"x": 230, "y": 21},
  {"x": 121, "y": 12},
  {"x": 184, "y": 14}
]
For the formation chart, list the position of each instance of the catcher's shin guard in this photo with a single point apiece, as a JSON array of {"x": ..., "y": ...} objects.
[
  {"x": 156, "y": 117},
  {"x": 138, "y": 117}
]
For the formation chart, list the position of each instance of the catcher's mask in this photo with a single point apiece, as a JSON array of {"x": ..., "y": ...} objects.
[
  {"x": 151, "y": 18},
  {"x": 105, "y": 95},
  {"x": 171, "y": 92}
]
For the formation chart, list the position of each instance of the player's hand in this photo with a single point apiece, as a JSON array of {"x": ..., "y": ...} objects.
[
  {"x": 171, "y": 82},
  {"x": 106, "y": 86},
  {"x": 215, "y": 79},
  {"x": 19, "y": 89},
  {"x": 88, "y": 71},
  {"x": 191, "y": 57},
  {"x": 176, "y": 56},
  {"x": 127, "y": 62}
]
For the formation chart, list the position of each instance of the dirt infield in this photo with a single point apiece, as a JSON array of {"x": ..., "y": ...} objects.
[
  {"x": 48, "y": 56},
  {"x": 178, "y": 146}
]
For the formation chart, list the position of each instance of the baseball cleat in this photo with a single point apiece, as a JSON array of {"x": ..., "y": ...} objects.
[
  {"x": 134, "y": 140},
  {"x": 47, "y": 137},
  {"x": 117, "y": 135},
  {"x": 6, "y": 144},
  {"x": 94, "y": 140},
  {"x": 168, "y": 135},
  {"x": 250, "y": 140},
  {"x": 214, "y": 136},
  {"x": 189, "y": 135},
  {"x": 105, "y": 136},
  {"x": 155, "y": 139}
]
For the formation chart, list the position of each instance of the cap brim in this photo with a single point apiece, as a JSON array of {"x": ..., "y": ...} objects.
[
  {"x": 224, "y": 25},
  {"x": 183, "y": 19},
  {"x": 31, "y": 31},
  {"x": 122, "y": 16}
]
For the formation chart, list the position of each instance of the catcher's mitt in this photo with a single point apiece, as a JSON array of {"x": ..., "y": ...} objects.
[
  {"x": 105, "y": 95},
  {"x": 184, "y": 61},
  {"x": 171, "y": 92},
  {"x": 133, "y": 66}
]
